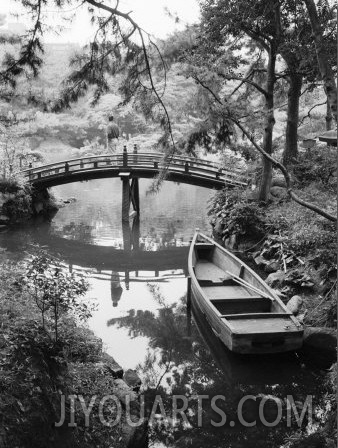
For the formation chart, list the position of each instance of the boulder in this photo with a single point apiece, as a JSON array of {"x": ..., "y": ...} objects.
[
  {"x": 112, "y": 366},
  {"x": 294, "y": 304},
  {"x": 4, "y": 219},
  {"x": 320, "y": 345},
  {"x": 122, "y": 391},
  {"x": 278, "y": 182},
  {"x": 136, "y": 435},
  {"x": 219, "y": 226},
  {"x": 272, "y": 266},
  {"x": 38, "y": 207},
  {"x": 275, "y": 279},
  {"x": 132, "y": 379},
  {"x": 260, "y": 261},
  {"x": 279, "y": 192}
]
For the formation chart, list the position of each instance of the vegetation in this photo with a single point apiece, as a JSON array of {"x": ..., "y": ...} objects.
[
  {"x": 178, "y": 368},
  {"x": 243, "y": 83},
  {"x": 36, "y": 369}
]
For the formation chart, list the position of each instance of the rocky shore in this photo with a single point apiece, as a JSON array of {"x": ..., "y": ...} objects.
[{"x": 304, "y": 281}]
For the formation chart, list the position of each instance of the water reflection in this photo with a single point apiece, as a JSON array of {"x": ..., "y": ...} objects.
[
  {"x": 202, "y": 366},
  {"x": 141, "y": 290},
  {"x": 116, "y": 288}
]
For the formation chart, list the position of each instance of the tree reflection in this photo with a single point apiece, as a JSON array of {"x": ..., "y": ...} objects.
[
  {"x": 178, "y": 365},
  {"x": 81, "y": 231}
]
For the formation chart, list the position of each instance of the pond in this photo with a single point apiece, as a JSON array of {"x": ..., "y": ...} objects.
[{"x": 141, "y": 317}]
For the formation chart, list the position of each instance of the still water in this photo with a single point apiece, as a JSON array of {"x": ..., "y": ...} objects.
[{"x": 141, "y": 315}]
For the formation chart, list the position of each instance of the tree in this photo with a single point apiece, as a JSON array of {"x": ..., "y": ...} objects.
[
  {"x": 262, "y": 24},
  {"x": 56, "y": 292},
  {"x": 322, "y": 55},
  {"x": 298, "y": 52},
  {"x": 113, "y": 51}
]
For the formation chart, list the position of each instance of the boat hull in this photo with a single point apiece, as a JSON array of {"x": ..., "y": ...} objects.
[{"x": 242, "y": 335}]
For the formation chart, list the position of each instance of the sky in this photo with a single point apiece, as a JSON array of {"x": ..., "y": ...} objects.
[{"x": 149, "y": 14}]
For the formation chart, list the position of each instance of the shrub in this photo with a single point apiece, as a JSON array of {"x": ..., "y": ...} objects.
[
  {"x": 19, "y": 207},
  {"x": 9, "y": 186},
  {"x": 239, "y": 216},
  {"x": 247, "y": 219},
  {"x": 318, "y": 164}
]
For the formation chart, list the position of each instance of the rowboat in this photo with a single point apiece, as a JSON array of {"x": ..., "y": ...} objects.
[{"x": 245, "y": 314}]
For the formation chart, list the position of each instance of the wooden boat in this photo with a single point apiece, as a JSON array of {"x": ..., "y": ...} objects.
[{"x": 240, "y": 307}]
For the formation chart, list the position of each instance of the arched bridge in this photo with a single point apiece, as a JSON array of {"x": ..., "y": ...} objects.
[{"x": 135, "y": 165}]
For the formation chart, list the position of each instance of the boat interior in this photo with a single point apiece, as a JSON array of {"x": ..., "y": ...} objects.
[{"x": 236, "y": 294}]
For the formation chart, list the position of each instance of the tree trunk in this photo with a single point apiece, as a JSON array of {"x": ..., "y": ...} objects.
[
  {"x": 291, "y": 134},
  {"x": 322, "y": 57},
  {"x": 265, "y": 185},
  {"x": 329, "y": 117}
]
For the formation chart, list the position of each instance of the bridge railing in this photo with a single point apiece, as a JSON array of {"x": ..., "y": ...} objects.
[{"x": 136, "y": 161}]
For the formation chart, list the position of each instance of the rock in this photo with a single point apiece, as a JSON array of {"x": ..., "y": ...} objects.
[
  {"x": 278, "y": 182},
  {"x": 66, "y": 201},
  {"x": 133, "y": 436},
  {"x": 281, "y": 295},
  {"x": 279, "y": 192},
  {"x": 271, "y": 267},
  {"x": 250, "y": 196},
  {"x": 122, "y": 391},
  {"x": 132, "y": 379},
  {"x": 219, "y": 226},
  {"x": 294, "y": 304},
  {"x": 275, "y": 279},
  {"x": 38, "y": 207},
  {"x": 112, "y": 366},
  {"x": 320, "y": 345},
  {"x": 260, "y": 261},
  {"x": 4, "y": 220}
]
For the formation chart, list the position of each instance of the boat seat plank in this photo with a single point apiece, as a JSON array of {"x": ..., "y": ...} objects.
[
  {"x": 226, "y": 292},
  {"x": 204, "y": 246},
  {"x": 261, "y": 326},
  {"x": 242, "y": 305},
  {"x": 255, "y": 315}
]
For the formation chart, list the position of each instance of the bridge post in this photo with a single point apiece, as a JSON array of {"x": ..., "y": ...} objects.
[
  {"x": 125, "y": 157},
  {"x": 66, "y": 167},
  {"x": 135, "y": 154},
  {"x": 135, "y": 195},
  {"x": 135, "y": 233},
  {"x": 125, "y": 199},
  {"x": 186, "y": 167},
  {"x": 126, "y": 234}
]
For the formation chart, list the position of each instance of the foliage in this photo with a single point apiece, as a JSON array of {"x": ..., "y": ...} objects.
[
  {"x": 35, "y": 370},
  {"x": 317, "y": 165},
  {"x": 56, "y": 292},
  {"x": 31, "y": 376},
  {"x": 9, "y": 186},
  {"x": 19, "y": 207},
  {"x": 238, "y": 215},
  {"x": 90, "y": 380}
]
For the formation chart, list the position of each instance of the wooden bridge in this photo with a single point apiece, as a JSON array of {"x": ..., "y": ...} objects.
[{"x": 135, "y": 165}]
